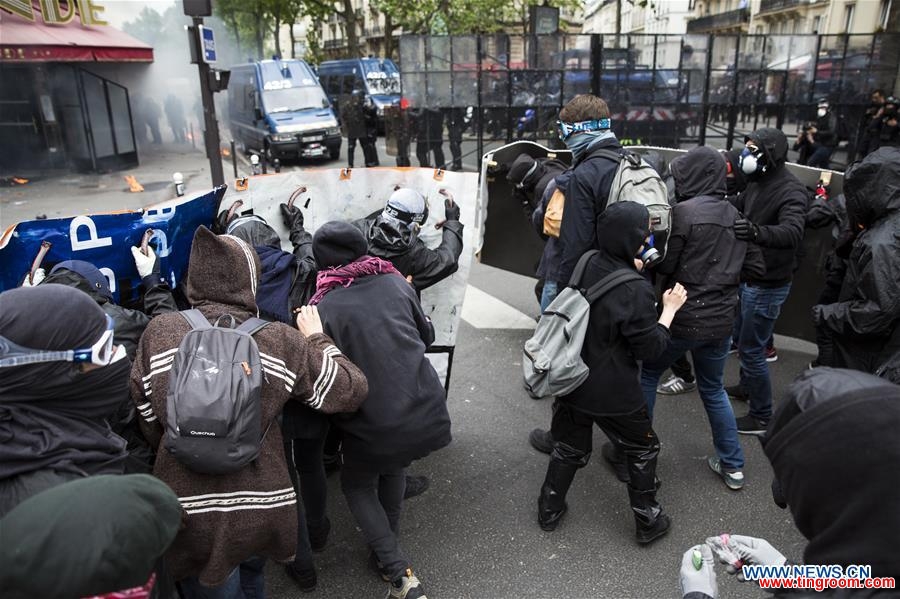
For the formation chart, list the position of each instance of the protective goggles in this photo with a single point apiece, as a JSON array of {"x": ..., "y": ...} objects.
[
  {"x": 566, "y": 130},
  {"x": 101, "y": 353}
]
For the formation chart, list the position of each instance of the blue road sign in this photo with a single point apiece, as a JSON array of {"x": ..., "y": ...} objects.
[{"x": 209, "y": 44}]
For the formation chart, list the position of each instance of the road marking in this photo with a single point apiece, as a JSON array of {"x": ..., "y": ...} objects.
[{"x": 484, "y": 311}]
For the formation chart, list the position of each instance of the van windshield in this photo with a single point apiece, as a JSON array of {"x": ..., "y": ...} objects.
[
  {"x": 382, "y": 77},
  {"x": 292, "y": 99}
]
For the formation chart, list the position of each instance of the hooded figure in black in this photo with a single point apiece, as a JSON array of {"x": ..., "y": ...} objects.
[
  {"x": 835, "y": 455},
  {"x": 53, "y": 415},
  {"x": 530, "y": 177},
  {"x": 622, "y": 329},
  {"x": 864, "y": 322}
]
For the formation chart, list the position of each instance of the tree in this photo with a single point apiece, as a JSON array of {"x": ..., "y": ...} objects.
[
  {"x": 247, "y": 20},
  {"x": 147, "y": 26}
]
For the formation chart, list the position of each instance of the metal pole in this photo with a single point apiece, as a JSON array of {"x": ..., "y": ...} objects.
[
  {"x": 732, "y": 110},
  {"x": 234, "y": 159},
  {"x": 479, "y": 112},
  {"x": 704, "y": 108},
  {"x": 211, "y": 135}
]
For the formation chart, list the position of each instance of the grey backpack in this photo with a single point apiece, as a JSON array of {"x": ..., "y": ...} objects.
[
  {"x": 213, "y": 406},
  {"x": 552, "y": 361}
]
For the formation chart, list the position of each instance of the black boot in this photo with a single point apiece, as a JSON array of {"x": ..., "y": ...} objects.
[
  {"x": 552, "y": 501},
  {"x": 616, "y": 459},
  {"x": 649, "y": 519},
  {"x": 541, "y": 440}
]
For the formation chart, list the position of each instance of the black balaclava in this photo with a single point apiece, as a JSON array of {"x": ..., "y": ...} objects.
[
  {"x": 621, "y": 231},
  {"x": 53, "y": 415},
  {"x": 835, "y": 452},
  {"x": 774, "y": 146}
]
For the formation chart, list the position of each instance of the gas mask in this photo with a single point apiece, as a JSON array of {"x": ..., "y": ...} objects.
[
  {"x": 821, "y": 112},
  {"x": 648, "y": 254},
  {"x": 752, "y": 161}
]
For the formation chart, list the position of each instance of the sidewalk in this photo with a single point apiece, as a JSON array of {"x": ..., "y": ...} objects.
[{"x": 70, "y": 194}]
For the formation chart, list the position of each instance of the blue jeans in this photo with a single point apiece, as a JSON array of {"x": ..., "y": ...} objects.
[
  {"x": 551, "y": 290},
  {"x": 760, "y": 308},
  {"x": 709, "y": 365},
  {"x": 247, "y": 581}
]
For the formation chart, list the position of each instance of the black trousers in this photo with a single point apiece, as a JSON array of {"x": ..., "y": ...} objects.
[
  {"x": 304, "y": 458},
  {"x": 632, "y": 434}
]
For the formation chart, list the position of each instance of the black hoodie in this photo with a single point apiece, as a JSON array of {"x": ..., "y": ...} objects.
[
  {"x": 623, "y": 326},
  {"x": 703, "y": 254},
  {"x": 867, "y": 312},
  {"x": 776, "y": 201},
  {"x": 835, "y": 453}
]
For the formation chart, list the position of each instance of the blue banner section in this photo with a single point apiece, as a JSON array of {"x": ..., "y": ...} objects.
[{"x": 105, "y": 240}]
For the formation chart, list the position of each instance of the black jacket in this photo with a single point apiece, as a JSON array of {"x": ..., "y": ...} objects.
[
  {"x": 623, "y": 325},
  {"x": 775, "y": 201},
  {"x": 409, "y": 254},
  {"x": 586, "y": 191},
  {"x": 867, "y": 313},
  {"x": 548, "y": 269},
  {"x": 703, "y": 254},
  {"x": 405, "y": 416}
]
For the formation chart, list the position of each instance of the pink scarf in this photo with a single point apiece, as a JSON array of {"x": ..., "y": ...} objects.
[{"x": 343, "y": 276}]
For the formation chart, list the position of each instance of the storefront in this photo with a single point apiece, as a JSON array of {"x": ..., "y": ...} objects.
[{"x": 55, "y": 113}]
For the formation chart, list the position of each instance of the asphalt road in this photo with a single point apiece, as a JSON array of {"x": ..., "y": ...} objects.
[{"x": 474, "y": 533}]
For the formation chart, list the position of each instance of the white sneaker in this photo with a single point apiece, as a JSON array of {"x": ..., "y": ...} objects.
[
  {"x": 675, "y": 385},
  {"x": 409, "y": 587}
]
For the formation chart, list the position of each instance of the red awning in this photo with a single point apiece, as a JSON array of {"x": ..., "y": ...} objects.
[{"x": 24, "y": 41}]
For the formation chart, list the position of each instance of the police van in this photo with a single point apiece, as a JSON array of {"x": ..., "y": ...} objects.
[
  {"x": 277, "y": 107},
  {"x": 379, "y": 78}
]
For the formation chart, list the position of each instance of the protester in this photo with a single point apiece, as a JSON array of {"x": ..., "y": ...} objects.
[
  {"x": 393, "y": 235},
  {"x": 551, "y": 257},
  {"x": 234, "y": 521},
  {"x": 358, "y": 116},
  {"x": 704, "y": 256},
  {"x": 530, "y": 178},
  {"x": 61, "y": 379},
  {"x": 585, "y": 128},
  {"x": 863, "y": 323},
  {"x": 429, "y": 136},
  {"x": 870, "y": 122},
  {"x": 404, "y": 417},
  {"x": 773, "y": 209},
  {"x": 456, "y": 124},
  {"x": 175, "y": 115},
  {"x": 96, "y": 535},
  {"x": 888, "y": 125},
  {"x": 815, "y": 446},
  {"x": 817, "y": 141},
  {"x": 622, "y": 329}
]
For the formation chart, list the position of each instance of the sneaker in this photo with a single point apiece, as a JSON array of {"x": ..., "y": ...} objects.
[
  {"x": 737, "y": 393},
  {"x": 406, "y": 587},
  {"x": 416, "y": 485},
  {"x": 748, "y": 425},
  {"x": 318, "y": 535},
  {"x": 305, "y": 580},
  {"x": 377, "y": 568},
  {"x": 771, "y": 354},
  {"x": 675, "y": 385},
  {"x": 734, "y": 479},
  {"x": 541, "y": 440}
]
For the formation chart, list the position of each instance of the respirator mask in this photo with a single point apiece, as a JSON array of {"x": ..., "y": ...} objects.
[
  {"x": 752, "y": 161},
  {"x": 821, "y": 112},
  {"x": 649, "y": 255}
]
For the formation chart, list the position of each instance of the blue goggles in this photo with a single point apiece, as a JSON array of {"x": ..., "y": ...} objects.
[
  {"x": 101, "y": 353},
  {"x": 566, "y": 130}
]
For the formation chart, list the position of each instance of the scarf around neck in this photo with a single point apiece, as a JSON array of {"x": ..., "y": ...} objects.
[
  {"x": 343, "y": 276},
  {"x": 580, "y": 144}
]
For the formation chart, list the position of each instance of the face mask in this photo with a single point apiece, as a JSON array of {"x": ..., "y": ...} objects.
[
  {"x": 748, "y": 162},
  {"x": 649, "y": 255},
  {"x": 822, "y": 112}
]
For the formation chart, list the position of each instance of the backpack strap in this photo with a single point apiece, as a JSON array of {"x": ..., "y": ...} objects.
[
  {"x": 580, "y": 266},
  {"x": 252, "y": 325},
  {"x": 609, "y": 282},
  {"x": 196, "y": 319},
  {"x": 608, "y": 154}
]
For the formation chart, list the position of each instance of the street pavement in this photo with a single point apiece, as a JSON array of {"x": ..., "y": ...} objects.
[{"x": 474, "y": 533}]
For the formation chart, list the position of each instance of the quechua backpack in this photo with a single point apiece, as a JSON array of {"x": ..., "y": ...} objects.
[
  {"x": 552, "y": 363},
  {"x": 213, "y": 405}
]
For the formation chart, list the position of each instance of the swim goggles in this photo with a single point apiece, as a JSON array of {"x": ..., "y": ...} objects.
[
  {"x": 566, "y": 130},
  {"x": 101, "y": 353}
]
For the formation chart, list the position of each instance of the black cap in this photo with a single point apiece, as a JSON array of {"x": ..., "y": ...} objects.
[{"x": 337, "y": 243}]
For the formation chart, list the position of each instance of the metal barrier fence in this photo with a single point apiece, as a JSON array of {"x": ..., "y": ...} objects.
[{"x": 665, "y": 90}]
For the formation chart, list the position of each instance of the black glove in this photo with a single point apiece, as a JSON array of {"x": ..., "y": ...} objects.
[
  {"x": 745, "y": 230},
  {"x": 292, "y": 217},
  {"x": 220, "y": 225},
  {"x": 451, "y": 209}
]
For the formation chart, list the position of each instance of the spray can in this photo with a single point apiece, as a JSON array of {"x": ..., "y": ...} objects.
[{"x": 178, "y": 179}]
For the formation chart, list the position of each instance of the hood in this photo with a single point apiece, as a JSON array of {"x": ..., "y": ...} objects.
[
  {"x": 222, "y": 270},
  {"x": 95, "y": 280},
  {"x": 621, "y": 230},
  {"x": 700, "y": 172},
  {"x": 835, "y": 453},
  {"x": 872, "y": 186},
  {"x": 390, "y": 238},
  {"x": 773, "y": 143},
  {"x": 299, "y": 121},
  {"x": 64, "y": 276},
  {"x": 255, "y": 231}
]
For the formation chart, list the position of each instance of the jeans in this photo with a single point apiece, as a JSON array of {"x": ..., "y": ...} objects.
[
  {"x": 376, "y": 500},
  {"x": 245, "y": 582},
  {"x": 821, "y": 157},
  {"x": 551, "y": 290},
  {"x": 709, "y": 365},
  {"x": 760, "y": 308}
]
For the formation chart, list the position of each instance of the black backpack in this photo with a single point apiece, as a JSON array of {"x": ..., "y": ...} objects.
[{"x": 213, "y": 406}]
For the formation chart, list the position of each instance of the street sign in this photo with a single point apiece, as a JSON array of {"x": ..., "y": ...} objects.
[{"x": 208, "y": 43}]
